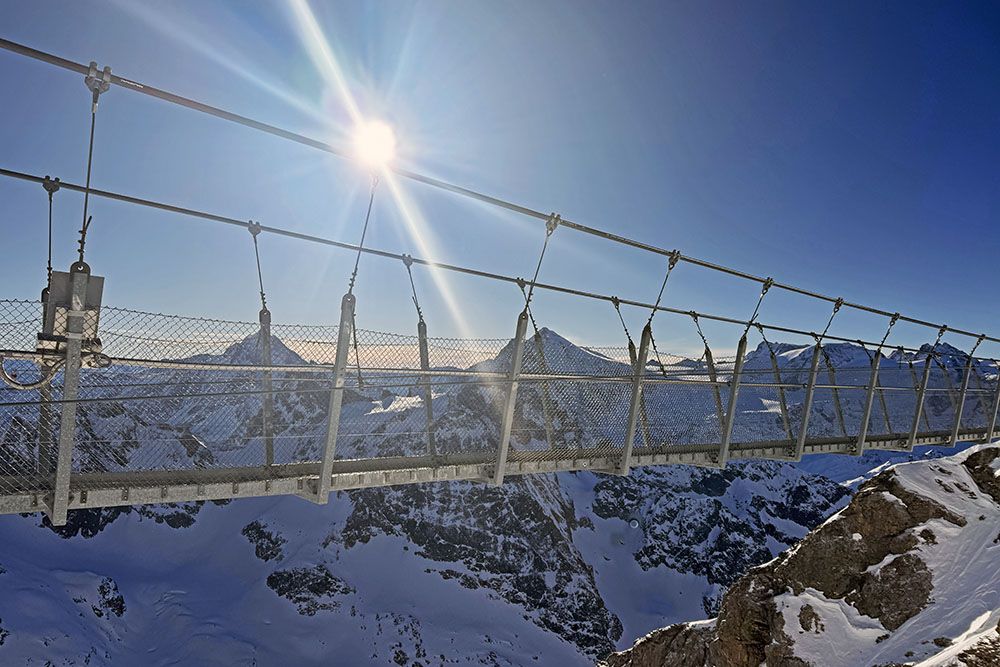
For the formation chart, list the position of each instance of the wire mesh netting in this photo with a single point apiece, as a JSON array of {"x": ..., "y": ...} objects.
[{"x": 195, "y": 394}]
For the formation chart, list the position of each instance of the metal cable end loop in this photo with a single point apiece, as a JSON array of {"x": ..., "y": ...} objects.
[
  {"x": 552, "y": 223},
  {"x": 675, "y": 256}
]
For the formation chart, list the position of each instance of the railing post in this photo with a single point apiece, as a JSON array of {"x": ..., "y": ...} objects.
[
  {"x": 46, "y": 462},
  {"x": 837, "y": 406},
  {"x": 859, "y": 445},
  {"x": 734, "y": 390},
  {"x": 336, "y": 399},
  {"x": 633, "y": 356},
  {"x": 960, "y": 408},
  {"x": 425, "y": 384},
  {"x": 713, "y": 377},
  {"x": 996, "y": 406},
  {"x": 267, "y": 414},
  {"x": 79, "y": 278},
  {"x": 782, "y": 401},
  {"x": 807, "y": 402},
  {"x": 638, "y": 372},
  {"x": 546, "y": 394},
  {"x": 921, "y": 393},
  {"x": 507, "y": 424}
]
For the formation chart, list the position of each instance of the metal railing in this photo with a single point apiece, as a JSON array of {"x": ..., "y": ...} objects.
[{"x": 189, "y": 411}]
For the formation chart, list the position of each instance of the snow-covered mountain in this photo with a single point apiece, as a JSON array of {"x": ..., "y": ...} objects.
[
  {"x": 560, "y": 569},
  {"x": 907, "y": 574}
]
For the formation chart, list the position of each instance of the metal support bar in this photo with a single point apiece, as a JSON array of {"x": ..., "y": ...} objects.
[
  {"x": 546, "y": 394},
  {"x": 46, "y": 461},
  {"x": 517, "y": 357},
  {"x": 859, "y": 445},
  {"x": 782, "y": 401},
  {"x": 336, "y": 399},
  {"x": 638, "y": 371},
  {"x": 633, "y": 356},
  {"x": 993, "y": 413},
  {"x": 838, "y": 407},
  {"x": 267, "y": 413},
  {"x": 425, "y": 385},
  {"x": 713, "y": 377},
  {"x": 960, "y": 408},
  {"x": 921, "y": 393},
  {"x": 80, "y": 275},
  {"x": 807, "y": 402},
  {"x": 734, "y": 390},
  {"x": 916, "y": 386}
]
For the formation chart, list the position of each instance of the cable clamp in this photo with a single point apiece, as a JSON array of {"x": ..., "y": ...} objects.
[
  {"x": 407, "y": 260},
  {"x": 616, "y": 302},
  {"x": 552, "y": 223},
  {"x": 51, "y": 186},
  {"x": 838, "y": 304},
  {"x": 254, "y": 228},
  {"x": 675, "y": 256},
  {"x": 694, "y": 315},
  {"x": 895, "y": 318},
  {"x": 98, "y": 82},
  {"x": 767, "y": 285},
  {"x": 520, "y": 282}
]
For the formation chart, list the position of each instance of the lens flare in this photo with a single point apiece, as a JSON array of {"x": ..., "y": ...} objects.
[{"x": 374, "y": 144}]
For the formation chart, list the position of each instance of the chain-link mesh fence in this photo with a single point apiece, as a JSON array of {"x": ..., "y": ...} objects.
[{"x": 190, "y": 394}]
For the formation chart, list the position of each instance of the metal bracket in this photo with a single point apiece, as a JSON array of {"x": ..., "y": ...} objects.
[
  {"x": 552, "y": 223},
  {"x": 638, "y": 371},
  {"x": 254, "y": 228},
  {"x": 97, "y": 82},
  {"x": 734, "y": 389},
  {"x": 51, "y": 185},
  {"x": 507, "y": 425}
]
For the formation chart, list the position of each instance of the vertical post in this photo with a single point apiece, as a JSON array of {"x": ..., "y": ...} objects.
[
  {"x": 782, "y": 402},
  {"x": 921, "y": 393},
  {"x": 267, "y": 414},
  {"x": 507, "y": 424},
  {"x": 993, "y": 414},
  {"x": 79, "y": 277},
  {"x": 961, "y": 401},
  {"x": 633, "y": 356},
  {"x": 546, "y": 394},
  {"x": 425, "y": 384},
  {"x": 859, "y": 445},
  {"x": 800, "y": 444},
  {"x": 638, "y": 371},
  {"x": 916, "y": 385},
  {"x": 336, "y": 399},
  {"x": 838, "y": 408},
  {"x": 46, "y": 462},
  {"x": 713, "y": 377},
  {"x": 734, "y": 390}
]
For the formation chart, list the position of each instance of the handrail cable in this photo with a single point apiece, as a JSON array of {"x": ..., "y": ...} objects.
[{"x": 212, "y": 217}]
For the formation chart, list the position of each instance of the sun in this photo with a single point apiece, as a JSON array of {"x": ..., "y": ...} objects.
[{"x": 374, "y": 144}]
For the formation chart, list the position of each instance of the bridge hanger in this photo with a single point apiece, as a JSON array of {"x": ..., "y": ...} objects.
[
  {"x": 550, "y": 227},
  {"x": 675, "y": 257},
  {"x": 51, "y": 187},
  {"x": 408, "y": 263},
  {"x": 97, "y": 83},
  {"x": 753, "y": 318},
  {"x": 354, "y": 276}
]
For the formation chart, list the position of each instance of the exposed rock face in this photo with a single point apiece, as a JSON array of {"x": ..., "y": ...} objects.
[{"x": 861, "y": 577}]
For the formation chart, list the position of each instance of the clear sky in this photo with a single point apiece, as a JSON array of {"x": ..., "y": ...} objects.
[{"x": 851, "y": 148}]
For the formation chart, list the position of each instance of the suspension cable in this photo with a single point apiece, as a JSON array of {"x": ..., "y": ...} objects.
[
  {"x": 212, "y": 217},
  {"x": 97, "y": 83},
  {"x": 616, "y": 302},
  {"x": 254, "y": 232},
  {"x": 364, "y": 231},
  {"x": 408, "y": 263},
  {"x": 753, "y": 318},
  {"x": 51, "y": 187},
  {"x": 273, "y": 130},
  {"x": 671, "y": 263},
  {"x": 550, "y": 226}
]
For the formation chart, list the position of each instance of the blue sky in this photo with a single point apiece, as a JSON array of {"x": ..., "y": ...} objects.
[{"x": 850, "y": 148}]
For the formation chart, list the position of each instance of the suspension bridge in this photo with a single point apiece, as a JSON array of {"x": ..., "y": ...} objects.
[{"x": 104, "y": 406}]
